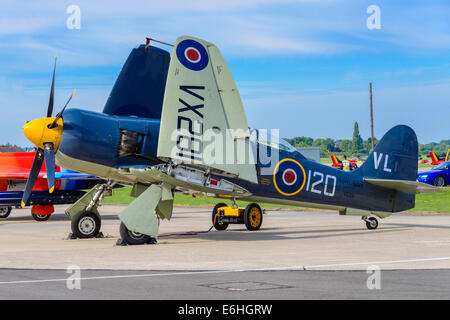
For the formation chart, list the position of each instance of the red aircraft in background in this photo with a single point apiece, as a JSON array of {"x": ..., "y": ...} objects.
[
  {"x": 435, "y": 159},
  {"x": 14, "y": 172},
  {"x": 337, "y": 163}
]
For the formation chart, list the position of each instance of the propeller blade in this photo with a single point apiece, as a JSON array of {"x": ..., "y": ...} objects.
[
  {"x": 52, "y": 93},
  {"x": 59, "y": 115},
  {"x": 34, "y": 172},
  {"x": 49, "y": 156}
]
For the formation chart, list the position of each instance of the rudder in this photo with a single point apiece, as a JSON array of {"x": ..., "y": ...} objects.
[{"x": 394, "y": 157}]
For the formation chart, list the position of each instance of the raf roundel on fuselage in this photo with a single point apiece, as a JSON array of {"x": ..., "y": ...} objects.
[
  {"x": 192, "y": 55},
  {"x": 289, "y": 177}
]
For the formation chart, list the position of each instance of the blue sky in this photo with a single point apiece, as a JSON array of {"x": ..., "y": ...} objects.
[{"x": 301, "y": 66}]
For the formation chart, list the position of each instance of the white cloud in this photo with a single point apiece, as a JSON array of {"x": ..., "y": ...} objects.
[{"x": 239, "y": 28}]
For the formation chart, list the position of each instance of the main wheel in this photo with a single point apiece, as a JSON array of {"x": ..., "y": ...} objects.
[
  {"x": 5, "y": 212},
  {"x": 86, "y": 224},
  {"x": 253, "y": 217},
  {"x": 131, "y": 237},
  {"x": 372, "y": 223},
  {"x": 41, "y": 217},
  {"x": 439, "y": 181},
  {"x": 220, "y": 226}
]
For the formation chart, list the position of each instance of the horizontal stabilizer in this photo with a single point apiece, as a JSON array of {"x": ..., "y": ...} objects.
[{"x": 406, "y": 186}]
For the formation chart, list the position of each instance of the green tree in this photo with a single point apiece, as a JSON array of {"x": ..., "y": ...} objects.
[
  {"x": 300, "y": 142},
  {"x": 367, "y": 144},
  {"x": 326, "y": 145},
  {"x": 357, "y": 142},
  {"x": 345, "y": 146}
]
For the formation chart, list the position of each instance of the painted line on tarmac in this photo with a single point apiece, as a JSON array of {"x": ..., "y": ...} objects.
[
  {"x": 167, "y": 274},
  {"x": 374, "y": 262}
]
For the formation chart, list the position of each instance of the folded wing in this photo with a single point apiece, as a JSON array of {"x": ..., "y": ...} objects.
[{"x": 203, "y": 120}]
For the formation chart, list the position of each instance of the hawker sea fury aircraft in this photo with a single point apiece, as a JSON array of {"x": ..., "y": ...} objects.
[{"x": 177, "y": 123}]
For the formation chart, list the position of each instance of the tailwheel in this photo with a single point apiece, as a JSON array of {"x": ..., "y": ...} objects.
[
  {"x": 5, "y": 212},
  {"x": 220, "y": 226},
  {"x": 253, "y": 217},
  {"x": 371, "y": 223},
  {"x": 40, "y": 217},
  {"x": 134, "y": 238},
  {"x": 86, "y": 224}
]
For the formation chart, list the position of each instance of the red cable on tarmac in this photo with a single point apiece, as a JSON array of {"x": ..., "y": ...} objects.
[{"x": 189, "y": 233}]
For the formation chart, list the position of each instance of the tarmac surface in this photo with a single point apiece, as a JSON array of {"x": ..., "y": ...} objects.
[{"x": 295, "y": 255}]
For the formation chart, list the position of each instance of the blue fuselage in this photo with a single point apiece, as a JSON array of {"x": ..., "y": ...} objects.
[{"x": 126, "y": 142}]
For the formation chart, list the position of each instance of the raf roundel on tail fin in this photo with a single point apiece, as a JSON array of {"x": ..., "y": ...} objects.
[
  {"x": 192, "y": 55},
  {"x": 394, "y": 157}
]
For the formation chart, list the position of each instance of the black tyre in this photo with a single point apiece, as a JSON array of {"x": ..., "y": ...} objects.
[
  {"x": 439, "y": 181},
  {"x": 372, "y": 223},
  {"x": 222, "y": 225},
  {"x": 253, "y": 217},
  {"x": 5, "y": 212},
  {"x": 131, "y": 237},
  {"x": 86, "y": 224},
  {"x": 41, "y": 217}
]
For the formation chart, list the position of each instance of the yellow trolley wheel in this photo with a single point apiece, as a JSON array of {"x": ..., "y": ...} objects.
[
  {"x": 218, "y": 226},
  {"x": 253, "y": 217}
]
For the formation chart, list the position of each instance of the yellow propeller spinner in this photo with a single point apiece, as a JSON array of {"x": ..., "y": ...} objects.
[{"x": 39, "y": 132}]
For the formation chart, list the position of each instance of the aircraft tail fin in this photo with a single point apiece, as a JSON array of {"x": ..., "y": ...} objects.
[
  {"x": 434, "y": 157},
  {"x": 334, "y": 159},
  {"x": 394, "y": 157}
]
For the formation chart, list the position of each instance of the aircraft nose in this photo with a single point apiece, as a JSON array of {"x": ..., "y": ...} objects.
[
  {"x": 34, "y": 131},
  {"x": 40, "y": 132}
]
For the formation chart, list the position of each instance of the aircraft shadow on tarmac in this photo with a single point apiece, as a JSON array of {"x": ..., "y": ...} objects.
[
  {"x": 418, "y": 225},
  {"x": 243, "y": 235}
]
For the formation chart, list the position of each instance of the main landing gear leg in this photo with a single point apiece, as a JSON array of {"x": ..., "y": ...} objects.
[
  {"x": 140, "y": 223},
  {"x": 371, "y": 223},
  {"x": 86, "y": 220}
]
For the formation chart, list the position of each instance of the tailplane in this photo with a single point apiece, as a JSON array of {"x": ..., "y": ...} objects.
[{"x": 393, "y": 163}]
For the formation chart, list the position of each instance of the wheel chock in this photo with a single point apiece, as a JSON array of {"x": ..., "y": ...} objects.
[
  {"x": 121, "y": 242},
  {"x": 72, "y": 236}
]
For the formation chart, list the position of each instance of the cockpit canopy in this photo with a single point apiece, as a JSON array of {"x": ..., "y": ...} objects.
[{"x": 265, "y": 137}]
